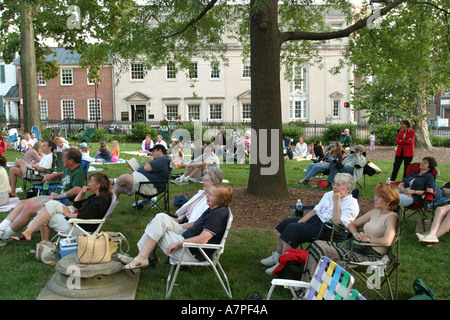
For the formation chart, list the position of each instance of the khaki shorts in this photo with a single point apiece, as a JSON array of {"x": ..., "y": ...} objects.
[{"x": 146, "y": 188}]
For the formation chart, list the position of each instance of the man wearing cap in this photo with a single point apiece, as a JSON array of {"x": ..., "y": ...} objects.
[
  {"x": 353, "y": 164},
  {"x": 156, "y": 168}
]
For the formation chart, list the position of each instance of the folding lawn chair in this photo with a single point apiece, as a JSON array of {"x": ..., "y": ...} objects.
[
  {"x": 329, "y": 282},
  {"x": 77, "y": 222},
  {"x": 418, "y": 207},
  {"x": 153, "y": 200},
  {"x": 371, "y": 272},
  {"x": 212, "y": 262}
]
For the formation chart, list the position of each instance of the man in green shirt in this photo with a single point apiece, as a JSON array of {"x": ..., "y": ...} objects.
[
  {"x": 72, "y": 179},
  {"x": 346, "y": 139}
]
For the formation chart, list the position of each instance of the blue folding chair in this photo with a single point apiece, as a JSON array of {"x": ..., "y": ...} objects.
[{"x": 35, "y": 130}]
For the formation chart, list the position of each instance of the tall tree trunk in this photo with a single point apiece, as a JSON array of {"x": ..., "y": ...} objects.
[
  {"x": 421, "y": 127},
  {"x": 28, "y": 69},
  {"x": 267, "y": 176}
]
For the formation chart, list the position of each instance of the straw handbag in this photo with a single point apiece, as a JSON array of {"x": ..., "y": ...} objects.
[{"x": 93, "y": 249}]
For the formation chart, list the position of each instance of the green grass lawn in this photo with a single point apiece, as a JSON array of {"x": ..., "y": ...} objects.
[{"x": 23, "y": 277}]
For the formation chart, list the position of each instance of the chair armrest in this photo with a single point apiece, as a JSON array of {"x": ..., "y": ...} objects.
[
  {"x": 201, "y": 246},
  {"x": 290, "y": 283},
  {"x": 86, "y": 221},
  {"x": 339, "y": 227}
]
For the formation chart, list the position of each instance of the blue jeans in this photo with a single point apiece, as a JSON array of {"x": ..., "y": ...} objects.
[
  {"x": 334, "y": 171},
  {"x": 315, "y": 168}
]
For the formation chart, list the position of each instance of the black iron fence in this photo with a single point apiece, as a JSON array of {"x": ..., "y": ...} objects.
[{"x": 309, "y": 130}]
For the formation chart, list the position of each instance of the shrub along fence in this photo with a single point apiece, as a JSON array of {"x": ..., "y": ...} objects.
[{"x": 124, "y": 131}]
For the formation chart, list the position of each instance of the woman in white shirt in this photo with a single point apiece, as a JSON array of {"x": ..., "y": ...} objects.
[
  {"x": 20, "y": 166},
  {"x": 61, "y": 146},
  {"x": 195, "y": 207},
  {"x": 301, "y": 148},
  {"x": 337, "y": 205}
]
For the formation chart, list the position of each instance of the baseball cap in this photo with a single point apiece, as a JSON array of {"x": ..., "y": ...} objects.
[
  {"x": 359, "y": 148},
  {"x": 83, "y": 145},
  {"x": 160, "y": 147}
]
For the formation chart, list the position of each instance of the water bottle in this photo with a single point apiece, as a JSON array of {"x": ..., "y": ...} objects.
[
  {"x": 298, "y": 206},
  {"x": 45, "y": 186}
]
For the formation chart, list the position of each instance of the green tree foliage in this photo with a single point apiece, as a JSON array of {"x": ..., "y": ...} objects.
[{"x": 404, "y": 61}]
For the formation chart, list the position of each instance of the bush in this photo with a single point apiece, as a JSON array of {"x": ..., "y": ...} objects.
[
  {"x": 292, "y": 131},
  {"x": 333, "y": 132},
  {"x": 386, "y": 134},
  {"x": 139, "y": 130},
  {"x": 437, "y": 141}
]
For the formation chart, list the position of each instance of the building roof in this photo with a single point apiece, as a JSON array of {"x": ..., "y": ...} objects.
[
  {"x": 62, "y": 56},
  {"x": 13, "y": 93}
]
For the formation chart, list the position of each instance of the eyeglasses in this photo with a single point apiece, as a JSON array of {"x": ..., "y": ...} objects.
[{"x": 337, "y": 185}]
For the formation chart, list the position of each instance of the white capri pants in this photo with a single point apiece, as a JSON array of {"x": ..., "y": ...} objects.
[
  {"x": 57, "y": 220},
  {"x": 165, "y": 231}
]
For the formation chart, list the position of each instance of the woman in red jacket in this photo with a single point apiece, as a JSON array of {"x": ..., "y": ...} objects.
[
  {"x": 405, "y": 148},
  {"x": 3, "y": 145}
]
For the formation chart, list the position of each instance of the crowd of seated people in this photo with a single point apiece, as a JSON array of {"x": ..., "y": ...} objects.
[{"x": 204, "y": 217}]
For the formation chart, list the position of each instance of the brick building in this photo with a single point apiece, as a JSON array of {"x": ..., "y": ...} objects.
[{"x": 71, "y": 95}]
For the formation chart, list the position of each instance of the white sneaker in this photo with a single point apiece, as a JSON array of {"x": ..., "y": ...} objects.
[
  {"x": 270, "y": 270},
  {"x": 182, "y": 181},
  {"x": 270, "y": 261},
  {"x": 176, "y": 180}
]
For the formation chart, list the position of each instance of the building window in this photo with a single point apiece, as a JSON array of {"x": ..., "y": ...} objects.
[
  {"x": 246, "y": 111},
  {"x": 93, "y": 110},
  {"x": 299, "y": 110},
  {"x": 193, "y": 71},
  {"x": 194, "y": 111},
  {"x": 215, "y": 111},
  {"x": 137, "y": 71},
  {"x": 2, "y": 74},
  {"x": 246, "y": 73},
  {"x": 68, "y": 109},
  {"x": 42, "y": 82},
  {"x": 336, "y": 108},
  {"x": 124, "y": 116},
  {"x": 66, "y": 77},
  {"x": 171, "y": 72},
  {"x": 299, "y": 81},
  {"x": 90, "y": 82},
  {"x": 172, "y": 111},
  {"x": 43, "y": 106},
  {"x": 215, "y": 70}
]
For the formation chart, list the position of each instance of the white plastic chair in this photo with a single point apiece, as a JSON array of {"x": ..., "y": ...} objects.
[
  {"x": 76, "y": 222},
  {"x": 212, "y": 262}
]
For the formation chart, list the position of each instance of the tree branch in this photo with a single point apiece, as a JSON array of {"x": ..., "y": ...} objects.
[
  {"x": 300, "y": 35},
  {"x": 208, "y": 7}
]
